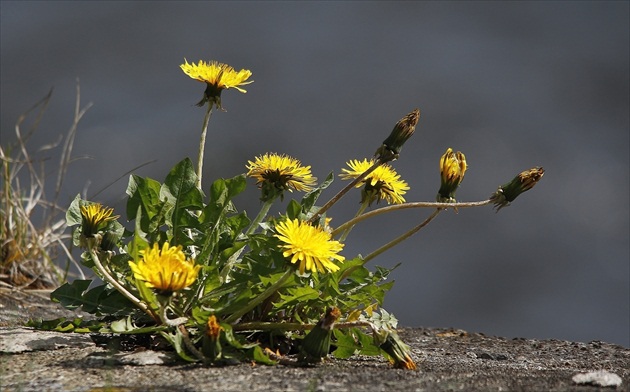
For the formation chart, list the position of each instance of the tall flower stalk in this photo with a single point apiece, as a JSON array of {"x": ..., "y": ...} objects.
[{"x": 217, "y": 77}]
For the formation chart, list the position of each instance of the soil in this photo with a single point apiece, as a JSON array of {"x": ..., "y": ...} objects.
[{"x": 448, "y": 360}]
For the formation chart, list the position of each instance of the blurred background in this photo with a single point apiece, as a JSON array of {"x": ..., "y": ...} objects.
[{"x": 510, "y": 84}]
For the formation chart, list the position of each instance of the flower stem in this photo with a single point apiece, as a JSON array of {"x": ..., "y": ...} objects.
[
  {"x": 118, "y": 286},
  {"x": 362, "y": 208},
  {"x": 225, "y": 271},
  {"x": 403, "y": 237},
  {"x": 271, "y": 326},
  {"x": 202, "y": 144},
  {"x": 345, "y": 190},
  {"x": 264, "y": 210},
  {"x": 395, "y": 207},
  {"x": 263, "y": 296}
]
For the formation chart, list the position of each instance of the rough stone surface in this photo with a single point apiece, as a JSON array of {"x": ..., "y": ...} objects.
[{"x": 448, "y": 360}]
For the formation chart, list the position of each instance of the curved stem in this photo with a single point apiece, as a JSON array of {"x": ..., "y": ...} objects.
[
  {"x": 263, "y": 296},
  {"x": 346, "y": 232},
  {"x": 345, "y": 190},
  {"x": 395, "y": 207},
  {"x": 202, "y": 145},
  {"x": 403, "y": 237},
  {"x": 118, "y": 286},
  {"x": 172, "y": 322}
]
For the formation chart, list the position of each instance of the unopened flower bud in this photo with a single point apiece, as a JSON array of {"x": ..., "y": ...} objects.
[
  {"x": 398, "y": 352},
  {"x": 316, "y": 343},
  {"x": 402, "y": 131},
  {"x": 211, "y": 346},
  {"x": 521, "y": 183},
  {"x": 452, "y": 169}
]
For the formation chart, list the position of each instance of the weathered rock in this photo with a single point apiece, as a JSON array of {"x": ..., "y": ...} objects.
[
  {"x": 18, "y": 340},
  {"x": 448, "y": 360}
]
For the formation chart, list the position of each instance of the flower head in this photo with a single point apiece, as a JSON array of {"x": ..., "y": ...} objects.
[
  {"x": 519, "y": 184},
  {"x": 452, "y": 169},
  {"x": 218, "y": 77},
  {"x": 165, "y": 269},
  {"x": 382, "y": 183},
  {"x": 309, "y": 246},
  {"x": 398, "y": 352},
  {"x": 403, "y": 130},
  {"x": 95, "y": 217},
  {"x": 276, "y": 173}
]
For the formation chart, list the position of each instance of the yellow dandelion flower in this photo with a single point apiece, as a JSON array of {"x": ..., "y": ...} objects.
[
  {"x": 276, "y": 173},
  {"x": 382, "y": 183},
  {"x": 165, "y": 269},
  {"x": 95, "y": 217},
  {"x": 452, "y": 169},
  {"x": 309, "y": 246},
  {"x": 218, "y": 77}
]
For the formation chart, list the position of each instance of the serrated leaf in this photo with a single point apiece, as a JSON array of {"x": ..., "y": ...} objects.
[
  {"x": 143, "y": 193},
  {"x": 309, "y": 199},
  {"x": 69, "y": 295},
  {"x": 346, "y": 346}
]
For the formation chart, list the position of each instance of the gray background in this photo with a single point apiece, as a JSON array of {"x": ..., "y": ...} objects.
[{"x": 511, "y": 84}]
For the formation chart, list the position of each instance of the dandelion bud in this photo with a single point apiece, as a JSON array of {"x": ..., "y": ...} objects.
[
  {"x": 398, "y": 352},
  {"x": 402, "y": 131},
  {"x": 211, "y": 346},
  {"x": 452, "y": 169},
  {"x": 316, "y": 343},
  {"x": 521, "y": 183}
]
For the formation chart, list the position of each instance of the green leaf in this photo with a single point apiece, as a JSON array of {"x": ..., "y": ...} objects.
[
  {"x": 309, "y": 200},
  {"x": 69, "y": 295},
  {"x": 293, "y": 209},
  {"x": 216, "y": 212},
  {"x": 99, "y": 300},
  {"x": 73, "y": 214},
  {"x": 62, "y": 324},
  {"x": 145, "y": 193},
  {"x": 178, "y": 343},
  {"x": 257, "y": 354},
  {"x": 346, "y": 345},
  {"x": 295, "y": 296},
  {"x": 180, "y": 190}
]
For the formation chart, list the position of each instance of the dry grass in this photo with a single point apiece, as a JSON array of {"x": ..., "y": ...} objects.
[{"x": 33, "y": 233}]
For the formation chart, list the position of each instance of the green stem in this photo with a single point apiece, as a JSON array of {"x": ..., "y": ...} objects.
[
  {"x": 362, "y": 208},
  {"x": 395, "y": 207},
  {"x": 390, "y": 244},
  {"x": 403, "y": 237},
  {"x": 345, "y": 190},
  {"x": 225, "y": 271},
  {"x": 263, "y": 296},
  {"x": 270, "y": 326},
  {"x": 264, "y": 210},
  {"x": 118, "y": 286},
  {"x": 202, "y": 144}
]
